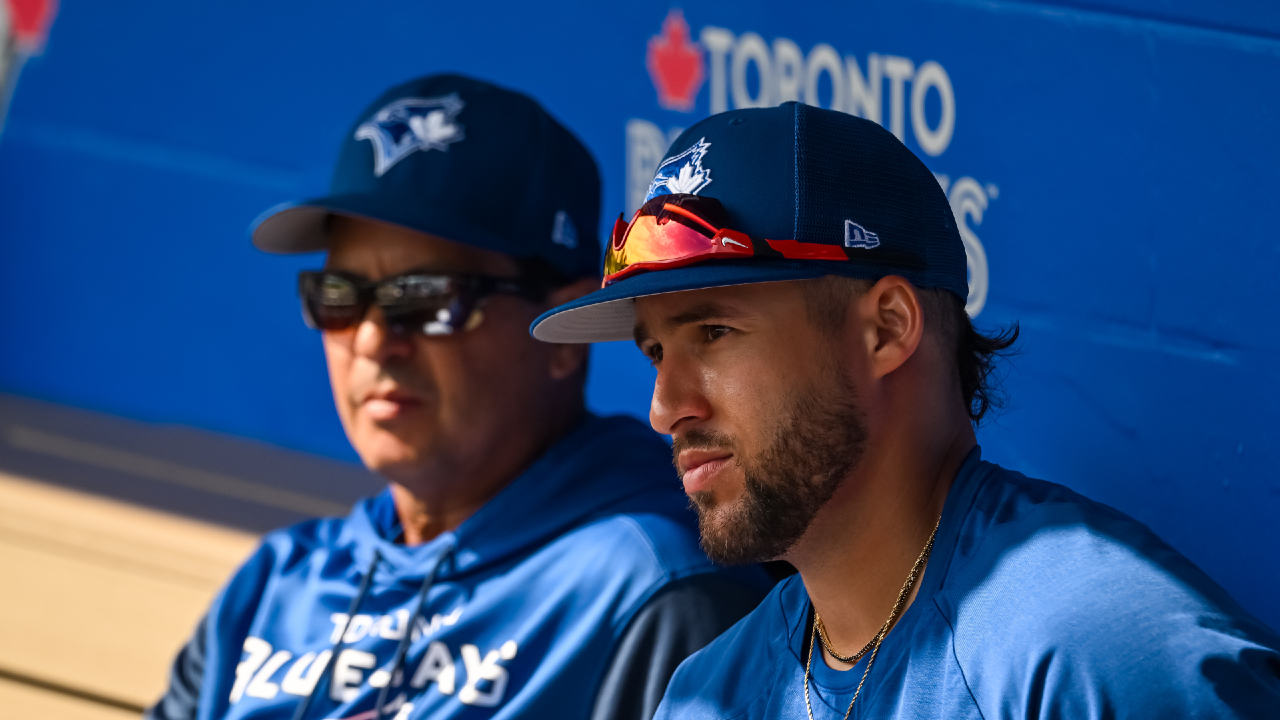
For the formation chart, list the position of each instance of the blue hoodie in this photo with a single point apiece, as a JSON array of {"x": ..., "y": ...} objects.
[
  {"x": 1036, "y": 603},
  {"x": 516, "y": 613}
]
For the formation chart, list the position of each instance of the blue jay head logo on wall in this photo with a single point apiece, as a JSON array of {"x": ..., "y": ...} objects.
[
  {"x": 411, "y": 124},
  {"x": 682, "y": 173}
]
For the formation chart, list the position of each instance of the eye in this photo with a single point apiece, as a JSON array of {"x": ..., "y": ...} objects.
[
  {"x": 653, "y": 352},
  {"x": 715, "y": 332}
]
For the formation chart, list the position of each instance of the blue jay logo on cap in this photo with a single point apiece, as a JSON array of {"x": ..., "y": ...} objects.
[
  {"x": 410, "y": 124},
  {"x": 682, "y": 173},
  {"x": 856, "y": 236}
]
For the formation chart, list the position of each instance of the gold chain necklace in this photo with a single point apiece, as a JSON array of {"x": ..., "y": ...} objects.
[{"x": 874, "y": 644}]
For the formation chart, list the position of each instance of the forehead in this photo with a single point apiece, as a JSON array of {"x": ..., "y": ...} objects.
[
  {"x": 377, "y": 249},
  {"x": 760, "y": 302}
]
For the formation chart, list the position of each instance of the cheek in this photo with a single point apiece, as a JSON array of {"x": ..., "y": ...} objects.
[
  {"x": 747, "y": 397},
  {"x": 489, "y": 377},
  {"x": 734, "y": 394},
  {"x": 735, "y": 389},
  {"x": 338, "y": 358}
]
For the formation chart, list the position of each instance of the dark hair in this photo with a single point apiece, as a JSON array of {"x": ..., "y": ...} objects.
[{"x": 976, "y": 354}]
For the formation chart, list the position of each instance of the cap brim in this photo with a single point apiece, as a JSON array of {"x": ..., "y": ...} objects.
[
  {"x": 609, "y": 313},
  {"x": 300, "y": 227},
  {"x": 291, "y": 228}
]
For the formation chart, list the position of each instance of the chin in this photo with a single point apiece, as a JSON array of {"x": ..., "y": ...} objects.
[
  {"x": 717, "y": 519},
  {"x": 723, "y": 524},
  {"x": 384, "y": 452}
]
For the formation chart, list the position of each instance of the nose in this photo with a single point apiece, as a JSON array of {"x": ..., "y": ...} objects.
[
  {"x": 678, "y": 398},
  {"x": 376, "y": 340}
]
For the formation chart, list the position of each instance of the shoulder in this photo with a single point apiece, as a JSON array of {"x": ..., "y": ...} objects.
[
  {"x": 706, "y": 685},
  {"x": 628, "y": 556},
  {"x": 1077, "y": 604},
  {"x": 287, "y": 550},
  {"x": 618, "y": 497},
  {"x": 667, "y": 544},
  {"x": 693, "y": 611},
  {"x": 1043, "y": 543},
  {"x": 295, "y": 542},
  {"x": 678, "y": 620}
]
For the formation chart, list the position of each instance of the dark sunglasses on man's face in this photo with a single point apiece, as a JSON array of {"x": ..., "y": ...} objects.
[{"x": 412, "y": 302}]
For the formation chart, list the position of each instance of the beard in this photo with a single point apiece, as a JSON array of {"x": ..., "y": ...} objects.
[{"x": 816, "y": 440}]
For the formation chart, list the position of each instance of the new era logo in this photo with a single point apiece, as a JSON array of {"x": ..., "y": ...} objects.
[
  {"x": 564, "y": 233},
  {"x": 856, "y": 236}
]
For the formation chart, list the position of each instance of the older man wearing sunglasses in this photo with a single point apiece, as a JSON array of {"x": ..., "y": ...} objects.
[{"x": 527, "y": 558}]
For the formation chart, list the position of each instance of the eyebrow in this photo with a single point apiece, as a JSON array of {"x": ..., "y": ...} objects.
[{"x": 696, "y": 314}]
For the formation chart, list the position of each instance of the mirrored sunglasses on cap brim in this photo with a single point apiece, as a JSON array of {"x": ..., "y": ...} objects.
[{"x": 672, "y": 231}]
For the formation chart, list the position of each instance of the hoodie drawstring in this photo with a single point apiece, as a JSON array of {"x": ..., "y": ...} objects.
[
  {"x": 402, "y": 649},
  {"x": 305, "y": 705}
]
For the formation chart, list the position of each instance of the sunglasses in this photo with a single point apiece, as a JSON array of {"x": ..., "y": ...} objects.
[
  {"x": 412, "y": 302},
  {"x": 672, "y": 231}
]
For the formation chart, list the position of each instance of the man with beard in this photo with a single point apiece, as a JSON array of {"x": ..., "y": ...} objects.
[
  {"x": 797, "y": 279},
  {"x": 528, "y": 559}
]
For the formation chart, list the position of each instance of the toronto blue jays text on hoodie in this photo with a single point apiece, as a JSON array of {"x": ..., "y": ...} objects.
[{"x": 514, "y": 614}]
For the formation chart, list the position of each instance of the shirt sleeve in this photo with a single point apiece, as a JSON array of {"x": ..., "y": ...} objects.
[
  {"x": 675, "y": 623},
  {"x": 182, "y": 698}
]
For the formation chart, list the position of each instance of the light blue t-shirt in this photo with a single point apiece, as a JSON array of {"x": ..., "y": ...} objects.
[{"x": 1036, "y": 603}]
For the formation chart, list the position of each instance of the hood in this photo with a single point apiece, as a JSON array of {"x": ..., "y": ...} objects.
[{"x": 604, "y": 466}]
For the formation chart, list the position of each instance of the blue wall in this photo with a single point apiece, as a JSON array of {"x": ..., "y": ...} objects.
[{"x": 1117, "y": 162}]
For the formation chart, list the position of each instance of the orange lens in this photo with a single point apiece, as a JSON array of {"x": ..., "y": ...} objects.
[{"x": 652, "y": 244}]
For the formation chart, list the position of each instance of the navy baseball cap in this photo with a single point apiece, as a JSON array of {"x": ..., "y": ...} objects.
[
  {"x": 789, "y": 173},
  {"x": 463, "y": 160}
]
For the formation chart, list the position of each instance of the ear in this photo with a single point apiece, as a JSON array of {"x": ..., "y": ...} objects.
[
  {"x": 565, "y": 360},
  {"x": 892, "y": 321}
]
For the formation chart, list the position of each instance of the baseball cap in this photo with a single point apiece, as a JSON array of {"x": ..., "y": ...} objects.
[
  {"x": 464, "y": 160},
  {"x": 810, "y": 192}
]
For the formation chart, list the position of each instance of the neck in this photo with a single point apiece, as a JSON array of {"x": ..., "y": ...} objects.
[
  {"x": 439, "y": 498},
  {"x": 861, "y": 546}
]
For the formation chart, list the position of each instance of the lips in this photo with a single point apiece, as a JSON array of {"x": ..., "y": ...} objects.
[
  {"x": 389, "y": 404},
  {"x": 698, "y": 468}
]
